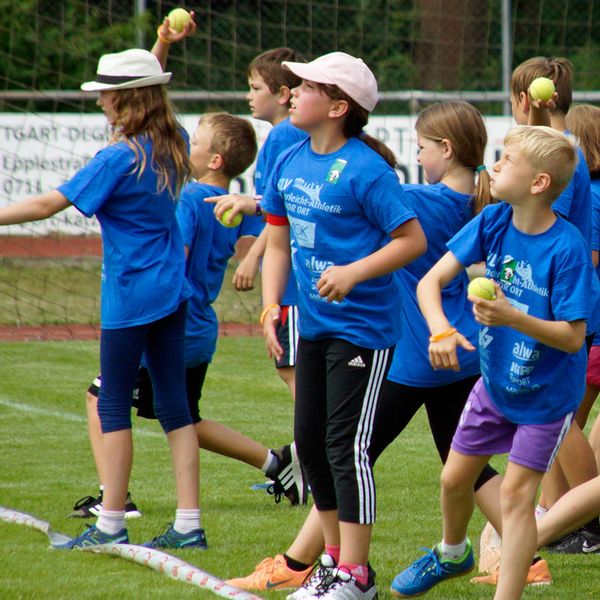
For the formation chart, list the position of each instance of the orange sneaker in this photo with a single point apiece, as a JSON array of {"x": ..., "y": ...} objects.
[
  {"x": 539, "y": 574},
  {"x": 272, "y": 574}
]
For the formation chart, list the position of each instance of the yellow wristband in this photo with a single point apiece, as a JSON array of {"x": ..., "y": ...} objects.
[
  {"x": 441, "y": 336},
  {"x": 160, "y": 37},
  {"x": 266, "y": 310}
]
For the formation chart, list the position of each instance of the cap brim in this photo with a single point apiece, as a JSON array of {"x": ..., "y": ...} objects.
[
  {"x": 95, "y": 86},
  {"x": 306, "y": 71}
]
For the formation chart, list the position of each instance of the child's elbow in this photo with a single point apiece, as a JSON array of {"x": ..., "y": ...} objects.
[{"x": 575, "y": 342}]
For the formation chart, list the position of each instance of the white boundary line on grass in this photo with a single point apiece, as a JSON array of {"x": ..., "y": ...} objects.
[
  {"x": 66, "y": 416},
  {"x": 166, "y": 564}
]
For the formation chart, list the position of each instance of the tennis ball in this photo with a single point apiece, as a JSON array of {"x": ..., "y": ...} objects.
[
  {"x": 234, "y": 222},
  {"x": 541, "y": 88},
  {"x": 482, "y": 288},
  {"x": 178, "y": 19}
]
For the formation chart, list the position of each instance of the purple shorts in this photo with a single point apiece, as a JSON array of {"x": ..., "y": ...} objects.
[{"x": 484, "y": 431}]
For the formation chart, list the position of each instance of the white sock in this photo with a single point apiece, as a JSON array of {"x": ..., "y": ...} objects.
[
  {"x": 186, "y": 520},
  {"x": 540, "y": 511},
  {"x": 453, "y": 551},
  {"x": 111, "y": 521},
  {"x": 270, "y": 462}
]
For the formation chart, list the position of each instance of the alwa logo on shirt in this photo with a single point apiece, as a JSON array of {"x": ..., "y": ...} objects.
[{"x": 336, "y": 170}]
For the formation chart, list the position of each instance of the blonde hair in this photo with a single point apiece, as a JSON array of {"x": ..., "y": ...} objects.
[
  {"x": 355, "y": 120},
  {"x": 462, "y": 125},
  {"x": 233, "y": 138},
  {"x": 548, "y": 151},
  {"x": 559, "y": 70},
  {"x": 583, "y": 121},
  {"x": 146, "y": 112}
]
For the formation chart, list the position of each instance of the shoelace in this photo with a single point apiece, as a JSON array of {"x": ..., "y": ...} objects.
[
  {"x": 328, "y": 579},
  {"x": 276, "y": 490},
  {"x": 424, "y": 564}
]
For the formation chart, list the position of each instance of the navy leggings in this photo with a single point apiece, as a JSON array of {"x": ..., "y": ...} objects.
[{"x": 162, "y": 344}]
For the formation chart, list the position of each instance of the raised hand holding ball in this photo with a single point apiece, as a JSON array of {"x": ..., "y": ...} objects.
[
  {"x": 482, "y": 288},
  {"x": 178, "y": 19},
  {"x": 542, "y": 88},
  {"x": 235, "y": 221}
]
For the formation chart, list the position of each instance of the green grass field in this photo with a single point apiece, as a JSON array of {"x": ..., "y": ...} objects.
[{"x": 46, "y": 465}]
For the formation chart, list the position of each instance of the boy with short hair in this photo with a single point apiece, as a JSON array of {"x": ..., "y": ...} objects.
[
  {"x": 532, "y": 351},
  {"x": 269, "y": 100}
]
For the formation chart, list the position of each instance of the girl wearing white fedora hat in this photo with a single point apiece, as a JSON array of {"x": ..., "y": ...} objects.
[{"x": 131, "y": 186}]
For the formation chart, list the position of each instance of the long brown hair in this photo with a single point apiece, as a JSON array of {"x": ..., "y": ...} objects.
[
  {"x": 583, "y": 121},
  {"x": 147, "y": 111},
  {"x": 355, "y": 120},
  {"x": 462, "y": 125}
]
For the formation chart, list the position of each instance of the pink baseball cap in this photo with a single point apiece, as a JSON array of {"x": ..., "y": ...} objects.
[{"x": 350, "y": 74}]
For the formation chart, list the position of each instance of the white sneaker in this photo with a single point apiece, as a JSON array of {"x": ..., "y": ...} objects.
[
  {"x": 344, "y": 586},
  {"x": 324, "y": 571}
]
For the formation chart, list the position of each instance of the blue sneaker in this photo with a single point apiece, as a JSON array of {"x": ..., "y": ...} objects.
[
  {"x": 94, "y": 537},
  {"x": 428, "y": 571},
  {"x": 173, "y": 539}
]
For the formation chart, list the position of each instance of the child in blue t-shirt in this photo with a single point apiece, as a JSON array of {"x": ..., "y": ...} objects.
[
  {"x": 222, "y": 147},
  {"x": 269, "y": 99},
  {"x": 532, "y": 353},
  {"x": 337, "y": 216},
  {"x": 131, "y": 186},
  {"x": 575, "y": 462}
]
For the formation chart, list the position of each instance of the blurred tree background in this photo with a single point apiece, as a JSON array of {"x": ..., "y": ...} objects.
[{"x": 410, "y": 44}]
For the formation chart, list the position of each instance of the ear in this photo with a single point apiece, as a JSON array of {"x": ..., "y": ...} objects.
[
  {"x": 338, "y": 109},
  {"x": 540, "y": 184},
  {"x": 284, "y": 95},
  {"x": 447, "y": 149},
  {"x": 524, "y": 102},
  {"x": 216, "y": 162}
]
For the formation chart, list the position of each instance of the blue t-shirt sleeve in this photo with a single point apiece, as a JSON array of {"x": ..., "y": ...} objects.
[
  {"x": 92, "y": 185},
  {"x": 251, "y": 225},
  {"x": 466, "y": 245},
  {"x": 570, "y": 293},
  {"x": 272, "y": 200},
  {"x": 385, "y": 203},
  {"x": 187, "y": 217}
]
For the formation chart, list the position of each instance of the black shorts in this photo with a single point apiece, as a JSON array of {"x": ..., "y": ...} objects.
[
  {"x": 287, "y": 336},
  {"x": 143, "y": 397}
]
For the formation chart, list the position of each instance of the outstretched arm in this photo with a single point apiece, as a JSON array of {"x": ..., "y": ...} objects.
[{"x": 35, "y": 208}]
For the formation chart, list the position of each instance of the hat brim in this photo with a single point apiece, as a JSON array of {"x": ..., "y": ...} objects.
[
  {"x": 95, "y": 86},
  {"x": 307, "y": 71}
]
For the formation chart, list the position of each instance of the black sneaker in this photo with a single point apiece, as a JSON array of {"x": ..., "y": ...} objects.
[
  {"x": 82, "y": 508},
  {"x": 288, "y": 477},
  {"x": 89, "y": 506},
  {"x": 580, "y": 541}
]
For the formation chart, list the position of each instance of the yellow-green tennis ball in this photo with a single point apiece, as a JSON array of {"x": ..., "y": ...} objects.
[
  {"x": 542, "y": 88},
  {"x": 178, "y": 19},
  {"x": 482, "y": 288},
  {"x": 234, "y": 222}
]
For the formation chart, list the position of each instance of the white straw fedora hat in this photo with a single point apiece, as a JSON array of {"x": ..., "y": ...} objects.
[{"x": 125, "y": 70}]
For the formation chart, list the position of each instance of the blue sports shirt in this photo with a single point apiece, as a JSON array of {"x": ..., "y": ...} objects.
[
  {"x": 441, "y": 212},
  {"x": 341, "y": 207},
  {"x": 143, "y": 265},
  {"x": 210, "y": 246},
  {"x": 280, "y": 138},
  {"x": 549, "y": 276}
]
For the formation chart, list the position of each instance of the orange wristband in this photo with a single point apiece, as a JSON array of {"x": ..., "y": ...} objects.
[
  {"x": 441, "y": 336},
  {"x": 266, "y": 310},
  {"x": 160, "y": 37}
]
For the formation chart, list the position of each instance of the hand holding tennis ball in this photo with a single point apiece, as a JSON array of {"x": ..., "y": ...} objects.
[
  {"x": 542, "y": 88},
  {"x": 482, "y": 288},
  {"x": 235, "y": 221},
  {"x": 178, "y": 19}
]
